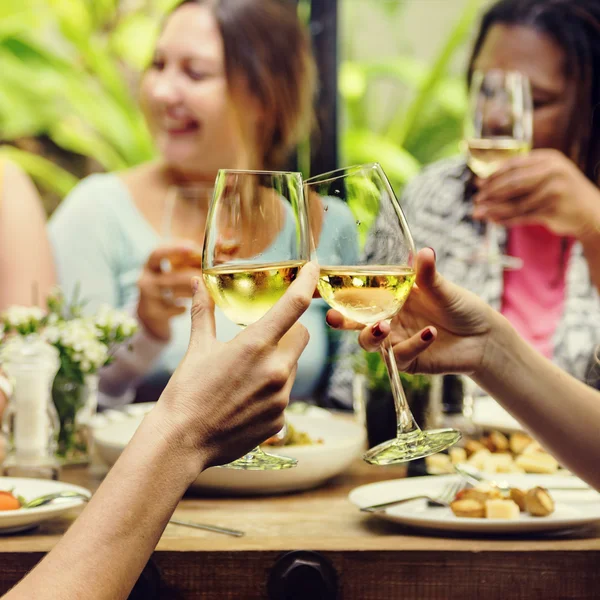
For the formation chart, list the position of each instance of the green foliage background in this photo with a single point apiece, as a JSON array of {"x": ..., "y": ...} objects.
[{"x": 70, "y": 70}]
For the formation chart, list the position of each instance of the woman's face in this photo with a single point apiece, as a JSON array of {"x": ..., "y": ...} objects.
[
  {"x": 187, "y": 101},
  {"x": 517, "y": 48}
]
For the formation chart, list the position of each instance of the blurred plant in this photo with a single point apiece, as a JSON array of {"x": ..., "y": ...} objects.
[
  {"x": 426, "y": 126},
  {"x": 69, "y": 73}
]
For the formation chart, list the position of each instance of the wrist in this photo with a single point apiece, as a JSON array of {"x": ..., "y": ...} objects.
[
  {"x": 160, "y": 331},
  {"x": 496, "y": 351},
  {"x": 589, "y": 218},
  {"x": 179, "y": 441}
]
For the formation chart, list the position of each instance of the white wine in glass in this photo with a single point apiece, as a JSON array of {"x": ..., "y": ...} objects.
[
  {"x": 376, "y": 288},
  {"x": 255, "y": 244},
  {"x": 498, "y": 126},
  {"x": 486, "y": 155}
]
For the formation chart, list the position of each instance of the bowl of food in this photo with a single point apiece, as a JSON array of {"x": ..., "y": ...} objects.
[{"x": 324, "y": 444}]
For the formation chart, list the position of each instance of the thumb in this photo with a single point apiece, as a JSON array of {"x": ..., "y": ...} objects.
[
  {"x": 428, "y": 278},
  {"x": 203, "y": 314}
]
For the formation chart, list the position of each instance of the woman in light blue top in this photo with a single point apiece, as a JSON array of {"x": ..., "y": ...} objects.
[{"x": 210, "y": 104}]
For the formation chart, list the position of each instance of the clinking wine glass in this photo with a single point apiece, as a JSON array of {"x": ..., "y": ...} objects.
[
  {"x": 498, "y": 126},
  {"x": 255, "y": 244},
  {"x": 376, "y": 287}
]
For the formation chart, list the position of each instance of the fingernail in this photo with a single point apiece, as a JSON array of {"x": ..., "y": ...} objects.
[
  {"x": 195, "y": 284},
  {"x": 427, "y": 335},
  {"x": 328, "y": 323},
  {"x": 434, "y": 253},
  {"x": 376, "y": 330}
]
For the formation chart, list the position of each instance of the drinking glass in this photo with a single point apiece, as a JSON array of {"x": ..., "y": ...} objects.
[
  {"x": 255, "y": 244},
  {"x": 498, "y": 126},
  {"x": 375, "y": 287}
]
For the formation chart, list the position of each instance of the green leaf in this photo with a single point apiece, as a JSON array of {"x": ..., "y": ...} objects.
[
  {"x": 133, "y": 39},
  {"x": 43, "y": 171},
  {"x": 404, "y": 121},
  {"x": 363, "y": 146}
]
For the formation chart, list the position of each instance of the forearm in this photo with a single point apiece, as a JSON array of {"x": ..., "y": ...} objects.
[
  {"x": 561, "y": 412},
  {"x": 591, "y": 246},
  {"x": 131, "y": 362},
  {"x": 103, "y": 553}
]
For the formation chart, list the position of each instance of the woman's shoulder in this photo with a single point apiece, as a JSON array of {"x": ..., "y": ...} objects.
[{"x": 97, "y": 196}]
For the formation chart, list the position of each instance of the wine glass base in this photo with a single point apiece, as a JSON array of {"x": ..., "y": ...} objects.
[
  {"x": 262, "y": 462},
  {"x": 412, "y": 446}
]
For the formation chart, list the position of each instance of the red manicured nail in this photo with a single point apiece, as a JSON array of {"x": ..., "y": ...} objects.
[
  {"x": 328, "y": 322},
  {"x": 427, "y": 335},
  {"x": 434, "y": 254},
  {"x": 376, "y": 330}
]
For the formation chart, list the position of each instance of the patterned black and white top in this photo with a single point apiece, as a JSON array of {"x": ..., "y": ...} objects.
[{"x": 437, "y": 207}]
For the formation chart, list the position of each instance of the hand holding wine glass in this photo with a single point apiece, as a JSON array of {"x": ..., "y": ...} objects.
[
  {"x": 376, "y": 287},
  {"x": 161, "y": 290},
  {"x": 442, "y": 328},
  {"x": 255, "y": 244},
  {"x": 499, "y": 126}
]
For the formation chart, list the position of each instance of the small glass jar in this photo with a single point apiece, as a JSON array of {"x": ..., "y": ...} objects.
[{"x": 30, "y": 423}]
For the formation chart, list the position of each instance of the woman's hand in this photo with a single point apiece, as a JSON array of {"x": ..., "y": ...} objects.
[
  {"x": 436, "y": 310},
  {"x": 160, "y": 289},
  {"x": 542, "y": 187},
  {"x": 225, "y": 398}
]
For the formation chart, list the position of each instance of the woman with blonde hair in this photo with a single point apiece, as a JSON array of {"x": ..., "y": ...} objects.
[{"x": 231, "y": 85}]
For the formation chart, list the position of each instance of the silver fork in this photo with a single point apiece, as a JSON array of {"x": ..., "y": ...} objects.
[
  {"x": 447, "y": 495},
  {"x": 49, "y": 498}
]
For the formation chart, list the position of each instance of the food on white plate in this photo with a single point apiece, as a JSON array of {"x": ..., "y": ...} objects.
[
  {"x": 9, "y": 501},
  {"x": 470, "y": 509},
  {"x": 496, "y": 453},
  {"x": 496, "y": 442},
  {"x": 499, "y": 508},
  {"x": 293, "y": 437},
  {"x": 518, "y": 442},
  {"x": 487, "y": 501},
  {"x": 538, "y": 502},
  {"x": 537, "y": 462},
  {"x": 518, "y": 497}
]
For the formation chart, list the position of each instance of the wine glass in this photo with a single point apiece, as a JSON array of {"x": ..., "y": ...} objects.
[
  {"x": 375, "y": 287},
  {"x": 255, "y": 244},
  {"x": 499, "y": 125}
]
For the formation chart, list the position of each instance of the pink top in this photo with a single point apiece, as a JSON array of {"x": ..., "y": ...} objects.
[{"x": 533, "y": 297}]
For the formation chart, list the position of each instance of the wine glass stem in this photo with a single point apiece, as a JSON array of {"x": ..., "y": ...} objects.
[
  {"x": 492, "y": 241},
  {"x": 406, "y": 422}
]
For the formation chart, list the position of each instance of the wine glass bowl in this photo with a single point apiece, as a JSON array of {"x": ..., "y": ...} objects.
[
  {"x": 498, "y": 126},
  {"x": 255, "y": 244},
  {"x": 372, "y": 281}
]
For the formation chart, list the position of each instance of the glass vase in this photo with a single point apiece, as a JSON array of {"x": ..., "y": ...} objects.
[{"x": 76, "y": 404}]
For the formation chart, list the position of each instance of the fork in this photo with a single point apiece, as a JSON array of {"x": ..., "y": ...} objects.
[
  {"x": 49, "y": 498},
  {"x": 446, "y": 495}
]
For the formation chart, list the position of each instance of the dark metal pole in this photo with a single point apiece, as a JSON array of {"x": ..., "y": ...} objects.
[{"x": 324, "y": 31}]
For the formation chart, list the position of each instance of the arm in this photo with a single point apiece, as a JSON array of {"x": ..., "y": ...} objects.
[
  {"x": 545, "y": 187},
  {"x": 222, "y": 401},
  {"x": 557, "y": 408},
  {"x": 26, "y": 267},
  {"x": 443, "y": 328}
]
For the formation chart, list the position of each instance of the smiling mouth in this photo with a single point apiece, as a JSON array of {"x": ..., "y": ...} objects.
[{"x": 175, "y": 129}]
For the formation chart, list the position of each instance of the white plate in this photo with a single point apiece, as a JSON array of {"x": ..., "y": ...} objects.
[
  {"x": 489, "y": 415},
  {"x": 343, "y": 441},
  {"x": 12, "y": 521},
  {"x": 573, "y": 509}
]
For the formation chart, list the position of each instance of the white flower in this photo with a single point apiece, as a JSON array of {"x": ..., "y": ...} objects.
[{"x": 18, "y": 316}]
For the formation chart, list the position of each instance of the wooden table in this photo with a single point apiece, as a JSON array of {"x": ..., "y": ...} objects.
[{"x": 373, "y": 559}]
